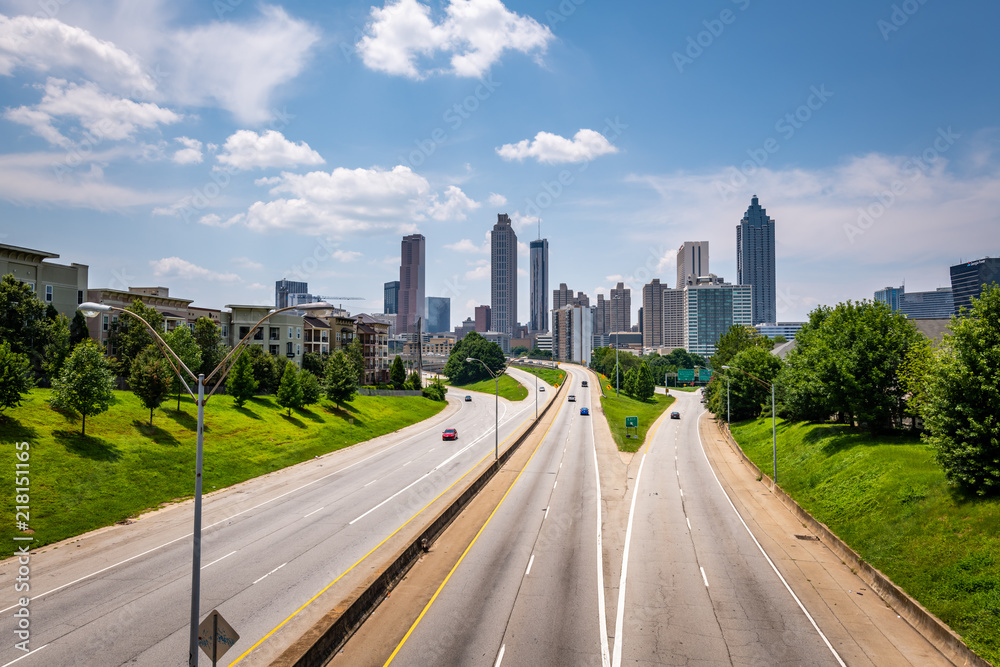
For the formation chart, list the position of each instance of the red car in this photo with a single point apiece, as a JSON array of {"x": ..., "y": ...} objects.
[{"x": 450, "y": 434}]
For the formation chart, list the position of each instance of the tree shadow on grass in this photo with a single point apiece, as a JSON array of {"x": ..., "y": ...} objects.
[
  {"x": 264, "y": 402},
  {"x": 247, "y": 412},
  {"x": 345, "y": 414},
  {"x": 292, "y": 420},
  {"x": 155, "y": 433},
  {"x": 12, "y": 429},
  {"x": 309, "y": 414},
  {"x": 183, "y": 419},
  {"x": 87, "y": 446}
]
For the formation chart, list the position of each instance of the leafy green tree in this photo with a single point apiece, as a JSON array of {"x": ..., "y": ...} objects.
[
  {"x": 960, "y": 415},
  {"x": 314, "y": 363},
  {"x": 58, "y": 348},
  {"x": 736, "y": 339},
  {"x": 265, "y": 369},
  {"x": 413, "y": 382},
  {"x": 78, "y": 330},
  {"x": 397, "y": 374},
  {"x": 436, "y": 390},
  {"x": 915, "y": 377},
  {"x": 746, "y": 395},
  {"x": 278, "y": 366},
  {"x": 209, "y": 340},
  {"x": 779, "y": 340},
  {"x": 85, "y": 384},
  {"x": 15, "y": 377},
  {"x": 356, "y": 353},
  {"x": 538, "y": 353},
  {"x": 519, "y": 351},
  {"x": 182, "y": 342},
  {"x": 151, "y": 378},
  {"x": 311, "y": 390},
  {"x": 341, "y": 378},
  {"x": 22, "y": 320},
  {"x": 290, "y": 390},
  {"x": 629, "y": 387},
  {"x": 241, "y": 383},
  {"x": 645, "y": 387},
  {"x": 129, "y": 336},
  {"x": 474, "y": 346}
]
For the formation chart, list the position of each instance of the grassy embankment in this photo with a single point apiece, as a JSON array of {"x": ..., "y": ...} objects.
[
  {"x": 553, "y": 376},
  {"x": 617, "y": 408},
  {"x": 684, "y": 388},
  {"x": 888, "y": 499},
  {"x": 123, "y": 466},
  {"x": 509, "y": 388}
]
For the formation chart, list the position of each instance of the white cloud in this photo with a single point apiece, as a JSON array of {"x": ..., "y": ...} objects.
[
  {"x": 190, "y": 154},
  {"x": 175, "y": 267},
  {"x": 246, "y": 149},
  {"x": 474, "y": 35},
  {"x": 46, "y": 44},
  {"x": 346, "y": 255},
  {"x": 497, "y": 200},
  {"x": 237, "y": 66},
  {"x": 465, "y": 246},
  {"x": 480, "y": 272},
  {"x": 550, "y": 148},
  {"x": 454, "y": 207},
  {"x": 103, "y": 116},
  {"x": 350, "y": 201},
  {"x": 246, "y": 263}
]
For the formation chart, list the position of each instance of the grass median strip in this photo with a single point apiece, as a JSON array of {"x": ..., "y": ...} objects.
[
  {"x": 889, "y": 500},
  {"x": 616, "y": 409},
  {"x": 123, "y": 467},
  {"x": 553, "y": 376},
  {"x": 509, "y": 388}
]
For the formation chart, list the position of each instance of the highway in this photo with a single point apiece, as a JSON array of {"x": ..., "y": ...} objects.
[
  {"x": 530, "y": 590},
  {"x": 122, "y": 595}
]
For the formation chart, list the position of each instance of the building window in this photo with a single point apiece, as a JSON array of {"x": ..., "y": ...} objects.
[
  {"x": 273, "y": 349},
  {"x": 289, "y": 333},
  {"x": 298, "y": 332},
  {"x": 225, "y": 331},
  {"x": 298, "y": 349},
  {"x": 79, "y": 297},
  {"x": 243, "y": 332},
  {"x": 289, "y": 347},
  {"x": 274, "y": 333},
  {"x": 258, "y": 334},
  {"x": 104, "y": 323},
  {"x": 48, "y": 294},
  {"x": 31, "y": 286}
]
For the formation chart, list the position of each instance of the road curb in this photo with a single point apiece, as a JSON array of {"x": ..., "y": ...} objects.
[
  {"x": 946, "y": 640},
  {"x": 318, "y": 646}
]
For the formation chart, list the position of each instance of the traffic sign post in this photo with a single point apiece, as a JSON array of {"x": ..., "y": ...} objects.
[
  {"x": 631, "y": 422},
  {"x": 685, "y": 375},
  {"x": 216, "y": 636}
]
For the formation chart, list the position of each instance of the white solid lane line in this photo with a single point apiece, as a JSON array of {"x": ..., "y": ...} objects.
[
  {"x": 531, "y": 561},
  {"x": 313, "y": 512},
  {"x": 370, "y": 483},
  {"x": 602, "y": 607},
  {"x": 704, "y": 578},
  {"x": 499, "y": 656},
  {"x": 620, "y": 616},
  {"x": 25, "y": 655},
  {"x": 271, "y": 572},
  {"x": 218, "y": 559}
]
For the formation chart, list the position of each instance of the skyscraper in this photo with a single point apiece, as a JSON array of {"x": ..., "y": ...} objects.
[
  {"x": 891, "y": 296},
  {"x": 483, "y": 322},
  {"x": 412, "y": 306},
  {"x": 968, "y": 280},
  {"x": 602, "y": 316},
  {"x": 692, "y": 260},
  {"x": 755, "y": 261},
  {"x": 621, "y": 309},
  {"x": 503, "y": 276},
  {"x": 651, "y": 314},
  {"x": 539, "y": 259},
  {"x": 391, "y": 291},
  {"x": 284, "y": 287},
  {"x": 438, "y": 315}
]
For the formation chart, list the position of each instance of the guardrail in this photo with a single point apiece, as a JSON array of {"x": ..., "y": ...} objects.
[{"x": 312, "y": 651}]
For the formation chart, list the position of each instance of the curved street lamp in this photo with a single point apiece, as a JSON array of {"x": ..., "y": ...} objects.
[
  {"x": 90, "y": 309},
  {"x": 774, "y": 428},
  {"x": 496, "y": 401}
]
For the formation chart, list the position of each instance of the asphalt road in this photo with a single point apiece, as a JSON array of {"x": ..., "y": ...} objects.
[
  {"x": 122, "y": 595},
  {"x": 698, "y": 590},
  {"x": 530, "y": 590}
]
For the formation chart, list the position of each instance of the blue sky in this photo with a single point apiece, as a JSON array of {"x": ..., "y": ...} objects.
[{"x": 215, "y": 147}]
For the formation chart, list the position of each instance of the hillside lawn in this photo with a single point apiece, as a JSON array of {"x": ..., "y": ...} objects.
[
  {"x": 510, "y": 388},
  {"x": 888, "y": 499},
  {"x": 616, "y": 409},
  {"x": 124, "y": 467},
  {"x": 553, "y": 376}
]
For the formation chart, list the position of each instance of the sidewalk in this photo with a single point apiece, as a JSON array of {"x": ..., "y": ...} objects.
[{"x": 862, "y": 628}]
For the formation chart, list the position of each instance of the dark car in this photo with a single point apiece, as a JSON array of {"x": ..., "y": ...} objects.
[
  {"x": 675, "y": 415},
  {"x": 583, "y": 384},
  {"x": 468, "y": 399},
  {"x": 450, "y": 434},
  {"x": 584, "y": 411}
]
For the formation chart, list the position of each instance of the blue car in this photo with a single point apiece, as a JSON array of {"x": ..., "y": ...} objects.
[{"x": 584, "y": 411}]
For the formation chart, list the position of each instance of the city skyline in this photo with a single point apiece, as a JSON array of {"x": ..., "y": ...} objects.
[{"x": 219, "y": 180}]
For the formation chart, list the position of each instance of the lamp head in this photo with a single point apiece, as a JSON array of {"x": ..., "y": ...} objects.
[{"x": 91, "y": 309}]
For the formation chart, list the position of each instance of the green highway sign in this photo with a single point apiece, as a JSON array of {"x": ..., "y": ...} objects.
[
  {"x": 685, "y": 375},
  {"x": 704, "y": 374},
  {"x": 631, "y": 422}
]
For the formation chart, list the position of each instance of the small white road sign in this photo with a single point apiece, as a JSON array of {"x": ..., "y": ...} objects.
[{"x": 216, "y": 636}]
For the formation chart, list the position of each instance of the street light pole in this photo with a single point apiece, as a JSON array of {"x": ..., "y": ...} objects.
[
  {"x": 496, "y": 401},
  {"x": 90, "y": 309}
]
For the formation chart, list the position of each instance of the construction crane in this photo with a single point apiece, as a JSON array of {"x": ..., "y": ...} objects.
[{"x": 338, "y": 299}]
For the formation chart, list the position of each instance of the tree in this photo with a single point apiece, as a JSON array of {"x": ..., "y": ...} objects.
[
  {"x": 22, "y": 320},
  {"x": 151, "y": 378},
  {"x": 779, "y": 340},
  {"x": 265, "y": 369},
  {"x": 314, "y": 363},
  {"x": 915, "y": 377},
  {"x": 311, "y": 390},
  {"x": 183, "y": 344},
  {"x": 629, "y": 387},
  {"x": 356, "y": 354},
  {"x": 341, "y": 378},
  {"x": 290, "y": 390},
  {"x": 209, "y": 340},
  {"x": 85, "y": 384},
  {"x": 129, "y": 336},
  {"x": 645, "y": 387},
  {"x": 78, "y": 330},
  {"x": 736, "y": 339},
  {"x": 397, "y": 374},
  {"x": 474, "y": 346},
  {"x": 58, "y": 348},
  {"x": 960, "y": 414},
  {"x": 746, "y": 395},
  {"x": 519, "y": 351},
  {"x": 413, "y": 382},
  {"x": 15, "y": 377},
  {"x": 241, "y": 383}
]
